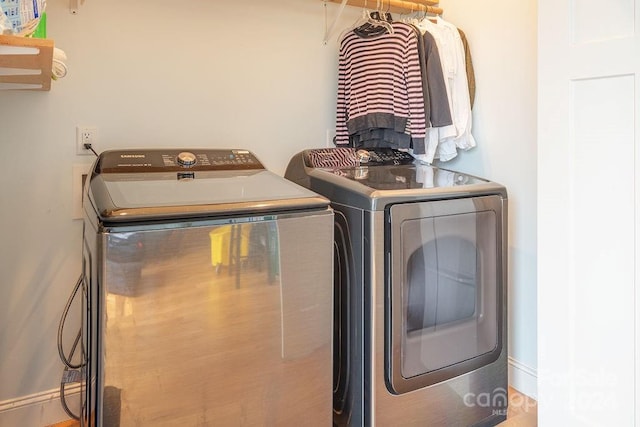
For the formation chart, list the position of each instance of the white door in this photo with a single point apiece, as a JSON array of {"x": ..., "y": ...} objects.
[{"x": 588, "y": 213}]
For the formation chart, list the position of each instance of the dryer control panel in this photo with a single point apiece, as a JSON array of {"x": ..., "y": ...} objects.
[{"x": 176, "y": 160}]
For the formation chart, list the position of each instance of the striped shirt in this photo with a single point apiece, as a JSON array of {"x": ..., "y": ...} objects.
[{"x": 380, "y": 84}]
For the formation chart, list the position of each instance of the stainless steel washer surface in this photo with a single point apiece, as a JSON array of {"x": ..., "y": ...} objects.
[
  {"x": 208, "y": 292},
  {"x": 420, "y": 284}
]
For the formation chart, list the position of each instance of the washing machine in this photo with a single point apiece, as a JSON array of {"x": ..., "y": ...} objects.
[
  {"x": 208, "y": 292},
  {"x": 420, "y": 278}
]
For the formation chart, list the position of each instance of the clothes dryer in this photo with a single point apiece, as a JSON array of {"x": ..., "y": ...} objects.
[
  {"x": 207, "y": 300},
  {"x": 420, "y": 277}
]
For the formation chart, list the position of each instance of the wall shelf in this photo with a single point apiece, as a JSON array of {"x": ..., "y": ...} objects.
[{"x": 25, "y": 63}]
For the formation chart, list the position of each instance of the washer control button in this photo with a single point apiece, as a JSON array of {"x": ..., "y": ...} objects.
[{"x": 186, "y": 159}]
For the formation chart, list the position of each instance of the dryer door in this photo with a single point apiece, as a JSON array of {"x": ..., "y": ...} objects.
[
  {"x": 445, "y": 289},
  {"x": 343, "y": 283}
]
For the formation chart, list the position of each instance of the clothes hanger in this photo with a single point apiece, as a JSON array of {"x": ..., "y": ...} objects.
[
  {"x": 411, "y": 16},
  {"x": 361, "y": 21},
  {"x": 377, "y": 20},
  {"x": 377, "y": 14},
  {"x": 367, "y": 25},
  {"x": 428, "y": 15},
  {"x": 387, "y": 13}
]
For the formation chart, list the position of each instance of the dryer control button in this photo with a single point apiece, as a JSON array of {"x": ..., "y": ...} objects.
[{"x": 186, "y": 159}]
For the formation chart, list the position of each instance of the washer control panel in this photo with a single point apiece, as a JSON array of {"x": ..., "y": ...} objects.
[{"x": 176, "y": 160}]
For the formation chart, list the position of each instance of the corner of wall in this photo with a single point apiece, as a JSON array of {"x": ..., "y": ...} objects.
[
  {"x": 523, "y": 378},
  {"x": 40, "y": 409}
]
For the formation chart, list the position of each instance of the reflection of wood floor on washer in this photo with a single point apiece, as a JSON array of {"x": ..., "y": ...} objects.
[
  {"x": 186, "y": 318},
  {"x": 191, "y": 346}
]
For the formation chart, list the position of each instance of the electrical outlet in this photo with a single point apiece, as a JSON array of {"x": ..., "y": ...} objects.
[{"x": 86, "y": 135}]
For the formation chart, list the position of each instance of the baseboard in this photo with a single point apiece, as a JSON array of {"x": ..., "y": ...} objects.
[
  {"x": 39, "y": 409},
  {"x": 523, "y": 378}
]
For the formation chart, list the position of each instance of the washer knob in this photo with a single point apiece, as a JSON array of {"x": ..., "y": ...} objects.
[{"x": 186, "y": 159}]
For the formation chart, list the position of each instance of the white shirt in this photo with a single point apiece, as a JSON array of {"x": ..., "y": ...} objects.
[{"x": 452, "y": 57}]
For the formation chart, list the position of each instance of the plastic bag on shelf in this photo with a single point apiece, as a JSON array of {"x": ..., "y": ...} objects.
[
  {"x": 5, "y": 25},
  {"x": 24, "y": 15}
]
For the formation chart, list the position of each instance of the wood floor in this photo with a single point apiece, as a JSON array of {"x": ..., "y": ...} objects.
[{"x": 523, "y": 412}]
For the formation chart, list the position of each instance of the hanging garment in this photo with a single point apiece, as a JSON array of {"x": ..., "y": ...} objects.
[
  {"x": 383, "y": 138},
  {"x": 441, "y": 124},
  {"x": 471, "y": 77},
  {"x": 380, "y": 86},
  {"x": 452, "y": 56},
  {"x": 439, "y": 113}
]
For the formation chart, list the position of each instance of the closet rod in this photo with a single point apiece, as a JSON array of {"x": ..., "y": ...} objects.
[{"x": 397, "y": 5}]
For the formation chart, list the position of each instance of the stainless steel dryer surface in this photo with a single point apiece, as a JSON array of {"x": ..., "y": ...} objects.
[
  {"x": 208, "y": 293},
  {"x": 420, "y": 275}
]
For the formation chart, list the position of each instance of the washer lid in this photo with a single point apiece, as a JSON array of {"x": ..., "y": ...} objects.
[{"x": 124, "y": 197}]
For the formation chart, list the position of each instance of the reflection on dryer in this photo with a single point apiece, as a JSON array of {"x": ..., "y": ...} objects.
[
  {"x": 437, "y": 295},
  {"x": 449, "y": 293},
  {"x": 420, "y": 281}
]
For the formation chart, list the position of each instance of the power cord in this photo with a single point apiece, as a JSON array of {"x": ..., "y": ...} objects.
[
  {"x": 63, "y": 356},
  {"x": 72, "y": 373},
  {"x": 87, "y": 146}
]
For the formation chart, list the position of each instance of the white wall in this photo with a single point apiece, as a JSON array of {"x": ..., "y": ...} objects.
[
  {"x": 503, "y": 41},
  {"x": 216, "y": 74}
]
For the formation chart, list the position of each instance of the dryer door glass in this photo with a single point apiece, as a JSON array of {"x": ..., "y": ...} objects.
[{"x": 445, "y": 289}]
